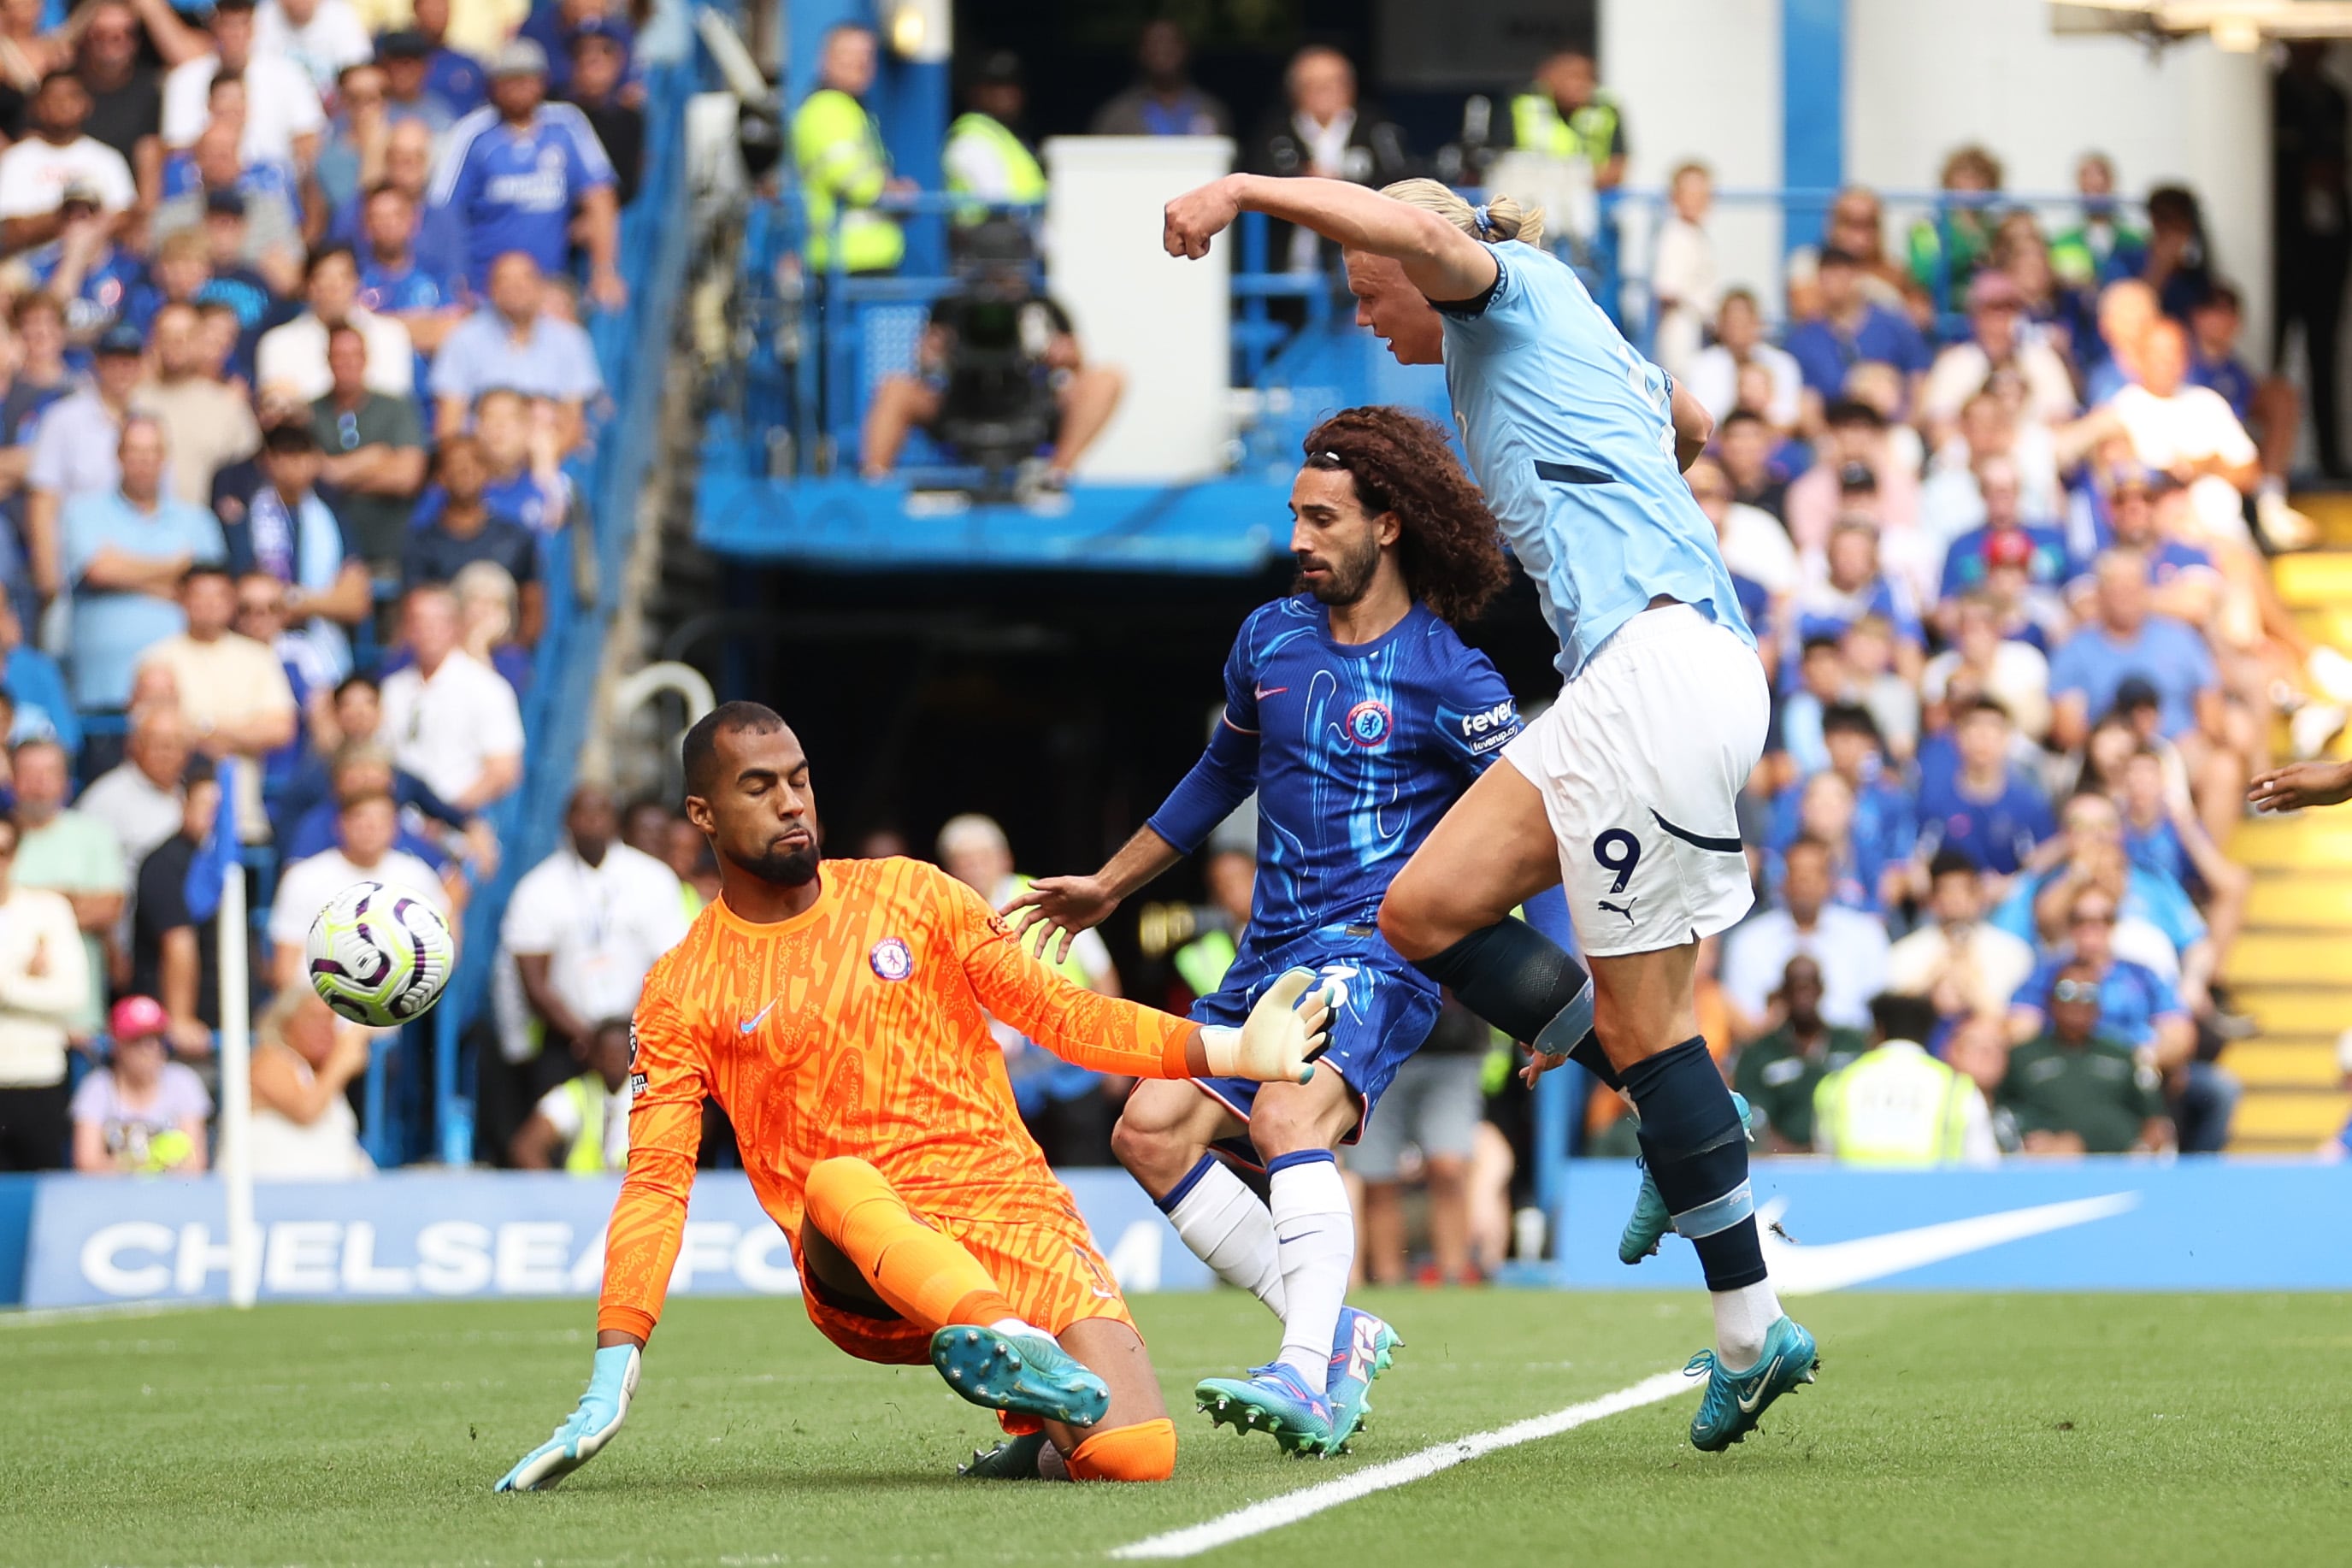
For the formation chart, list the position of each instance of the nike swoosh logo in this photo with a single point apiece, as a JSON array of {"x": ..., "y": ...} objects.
[
  {"x": 752, "y": 1022},
  {"x": 1749, "y": 1402},
  {"x": 1266, "y": 691},
  {"x": 1799, "y": 1270}
]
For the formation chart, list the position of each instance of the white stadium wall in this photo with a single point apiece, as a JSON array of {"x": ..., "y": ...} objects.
[
  {"x": 1702, "y": 79},
  {"x": 1923, "y": 78},
  {"x": 1162, "y": 320}
]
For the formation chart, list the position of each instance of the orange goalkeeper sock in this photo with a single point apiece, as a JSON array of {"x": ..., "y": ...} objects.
[
  {"x": 1145, "y": 1452},
  {"x": 926, "y": 1278}
]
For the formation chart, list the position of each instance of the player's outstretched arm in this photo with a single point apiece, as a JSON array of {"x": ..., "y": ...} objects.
[
  {"x": 1068, "y": 905},
  {"x": 2301, "y": 784},
  {"x": 612, "y": 1380},
  {"x": 1442, "y": 262}
]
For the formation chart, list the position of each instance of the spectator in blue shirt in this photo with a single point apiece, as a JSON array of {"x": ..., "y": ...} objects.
[
  {"x": 1849, "y": 585},
  {"x": 84, "y": 269},
  {"x": 1969, "y": 560},
  {"x": 518, "y": 172},
  {"x": 2162, "y": 927},
  {"x": 514, "y": 342},
  {"x": 1884, "y": 826},
  {"x": 2269, "y": 406},
  {"x": 2184, "y": 582},
  {"x": 394, "y": 281},
  {"x": 451, "y": 75},
  {"x": 125, "y": 552},
  {"x": 436, "y": 235},
  {"x": 467, "y": 530},
  {"x": 407, "y": 60},
  {"x": 2126, "y": 642},
  {"x": 36, "y": 689},
  {"x": 2138, "y": 1008},
  {"x": 1986, "y": 807},
  {"x": 1821, "y": 677},
  {"x": 2123, "y": 639},
  {"x": 364, "y": 768},
  {"x": 1851, "y": 330}
]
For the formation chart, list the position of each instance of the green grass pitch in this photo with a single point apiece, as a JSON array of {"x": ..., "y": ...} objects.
[{"x": 1961, "y": 1429}]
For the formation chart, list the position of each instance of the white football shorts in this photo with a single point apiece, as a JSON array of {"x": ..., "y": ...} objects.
[{"x": 1641, "y": 763}]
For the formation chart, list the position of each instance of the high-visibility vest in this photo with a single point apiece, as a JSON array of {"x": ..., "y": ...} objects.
[
  {"x": 1895, "y": 1105},
  {"x": 1590, "y": 132},
  {"x": 590, "y": 1099},
  {"x": 984, "y": 140},
  {"x": 842, "y": 167},
  {"x": 1201, "y": 962}
]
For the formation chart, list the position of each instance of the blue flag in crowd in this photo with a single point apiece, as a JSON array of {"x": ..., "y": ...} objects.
[{"x": 217, "y": 856}]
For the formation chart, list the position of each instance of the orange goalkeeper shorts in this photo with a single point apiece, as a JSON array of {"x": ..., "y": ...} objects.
[{"x": 1049, "y": 1270}]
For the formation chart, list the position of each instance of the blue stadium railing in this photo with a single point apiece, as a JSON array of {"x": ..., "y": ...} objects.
[
  {"x": 820, "y": 344},
  {"x": 630, "y": 347}
]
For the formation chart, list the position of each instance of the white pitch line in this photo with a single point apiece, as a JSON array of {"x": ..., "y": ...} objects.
[{"x": 1291, "y": 1507}]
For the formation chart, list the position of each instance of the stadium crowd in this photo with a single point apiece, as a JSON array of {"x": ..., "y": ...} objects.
[
  {"x": 295, "y": 364},
  {"x": 291, "y": 365}
]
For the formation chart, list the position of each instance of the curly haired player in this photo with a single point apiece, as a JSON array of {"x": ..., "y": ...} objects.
[
  {"x": 1357, "y": 717},
  {"x": 835, "y": 1011}
]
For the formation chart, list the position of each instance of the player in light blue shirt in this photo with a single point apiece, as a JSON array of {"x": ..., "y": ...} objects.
[
  {"x": 517, "y": 169},
  {"x": 1625, "y": 791}
]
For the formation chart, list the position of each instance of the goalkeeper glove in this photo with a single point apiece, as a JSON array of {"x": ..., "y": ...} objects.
[
  {"x": 1272, "y": 1045},
  {"x": 588, "y": 1429}
]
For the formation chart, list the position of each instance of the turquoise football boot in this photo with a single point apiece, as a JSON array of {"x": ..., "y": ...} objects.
[
  {"x": 1650, "y": 1221},
  {"x": 1729, "y": 1410},
  {"x": 1361, "y": 1349},
  {"x": 1273, "y": 1399},
  {"x": 1028, "y": 1374}
]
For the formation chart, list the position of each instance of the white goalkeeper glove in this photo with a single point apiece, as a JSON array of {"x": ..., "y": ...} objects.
[
  {"x": 1281, "y": 1034},
  {"x": 588, "y": 1428}
]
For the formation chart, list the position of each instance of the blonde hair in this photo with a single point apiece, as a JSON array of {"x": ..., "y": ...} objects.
[{"x": 1497, "y": 219}]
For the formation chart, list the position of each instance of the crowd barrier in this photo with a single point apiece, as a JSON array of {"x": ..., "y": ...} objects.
[{"x": 2088, "y": 1225}]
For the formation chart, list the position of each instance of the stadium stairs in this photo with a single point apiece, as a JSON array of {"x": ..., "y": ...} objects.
[{"x": 2292, "y": 968}]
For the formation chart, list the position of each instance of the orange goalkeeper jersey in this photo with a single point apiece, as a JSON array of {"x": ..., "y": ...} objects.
[{"x": 855, "y": 1027}]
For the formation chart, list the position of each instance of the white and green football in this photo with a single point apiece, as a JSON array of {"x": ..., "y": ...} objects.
[{"x": 380, "y": 956}]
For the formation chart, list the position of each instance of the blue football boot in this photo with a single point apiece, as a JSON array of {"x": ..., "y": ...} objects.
[
  {"x": 1361, "y": 1349},
  {"x": 1028, "y": 1374},
  {"x": 1650, "y": 1221},
  {"x": 1274, "y": 1398},
  {"x": 1728, "y": 1411}
]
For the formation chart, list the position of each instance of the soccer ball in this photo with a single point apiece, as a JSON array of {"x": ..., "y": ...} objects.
[{"x": 379, "y": 956}]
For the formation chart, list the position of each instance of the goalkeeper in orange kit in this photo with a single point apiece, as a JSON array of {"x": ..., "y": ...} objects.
[{"x": 836, "y": 1013}]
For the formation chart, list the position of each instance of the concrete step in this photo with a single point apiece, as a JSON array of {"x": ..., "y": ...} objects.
[
  {"x": 2285, "y": 1062},
  {"x": 2290, "y": 901},
  {"x": 2298, "y": 1012},
  {"x": 2318, "y": 577},
  {"x": 2282, "y": 959},
  {"x": 2310, "y": 841},
  {"x": 2297, "y": 1120}
]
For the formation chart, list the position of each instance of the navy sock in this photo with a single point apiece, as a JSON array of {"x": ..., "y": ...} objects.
[
  {"x": 1519, "y": 980},
  {"x": 1696, "y": 1151}
]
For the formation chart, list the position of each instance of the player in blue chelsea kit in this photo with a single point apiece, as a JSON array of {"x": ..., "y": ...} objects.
[
  {"x": 1357, "y": 717},
  {"x": 1625, "y": 792}
]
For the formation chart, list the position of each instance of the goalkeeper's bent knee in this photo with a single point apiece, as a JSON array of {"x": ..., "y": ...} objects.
[
  {"x": 1145, "y": 1452},
  {"x": 926, "y": 1278}
]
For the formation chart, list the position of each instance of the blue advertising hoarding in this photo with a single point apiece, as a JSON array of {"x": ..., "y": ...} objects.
[
  {"x": 2082, "y": 1224},
  {"x": 412, "y": 1234}
]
